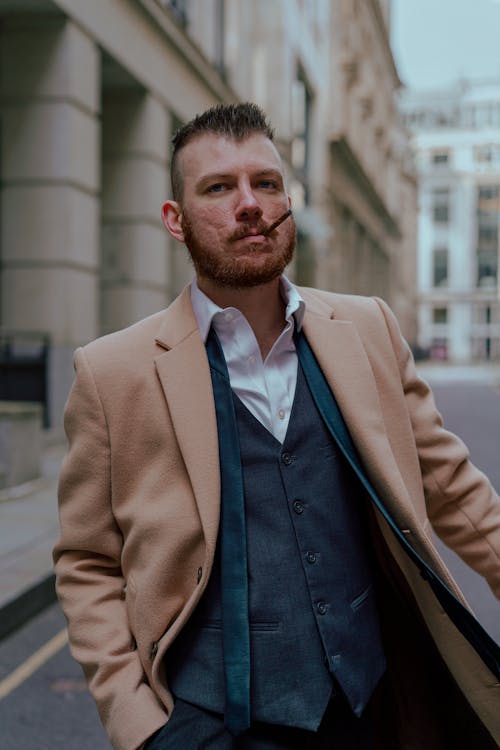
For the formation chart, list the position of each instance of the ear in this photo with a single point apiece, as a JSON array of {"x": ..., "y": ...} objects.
[{"x": 171, "y": 215}]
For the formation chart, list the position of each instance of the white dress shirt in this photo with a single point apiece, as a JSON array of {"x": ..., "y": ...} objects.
[{"x": 267, "y": 388}]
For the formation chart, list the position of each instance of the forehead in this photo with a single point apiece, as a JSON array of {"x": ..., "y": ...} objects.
[{"x": 211, "y": 153}]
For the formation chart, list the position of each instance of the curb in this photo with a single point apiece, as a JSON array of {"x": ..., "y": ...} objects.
[
  {"x": 26, "y": 604},
  {"x": 21, "y": 491}
]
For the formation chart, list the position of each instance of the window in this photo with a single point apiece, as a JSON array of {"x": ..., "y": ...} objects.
[
  {"x": 487, "y": 154},
  {"x": 440, "y": 315},
  {"x": 488, "y": 219},
  {"x": 440, "y": 266},
  {"x": 488, "y": 197},
  {"x": 441, "y": 205},
  {"x": 485, "y": 314},
  {"x": 486, "y": 268},
  {"x": 440, "y": 157}
]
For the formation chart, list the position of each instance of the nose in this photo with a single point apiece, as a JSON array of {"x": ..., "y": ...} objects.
[{"x": 248, "y": 207}]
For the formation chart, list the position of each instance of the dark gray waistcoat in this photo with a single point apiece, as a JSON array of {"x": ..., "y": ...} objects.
[{"x": 313, "y": 619}]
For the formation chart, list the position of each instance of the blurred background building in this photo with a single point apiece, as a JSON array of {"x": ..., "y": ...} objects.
[
  {"x": 90, "y": 94},
  {"x": 457, "y": 145}
]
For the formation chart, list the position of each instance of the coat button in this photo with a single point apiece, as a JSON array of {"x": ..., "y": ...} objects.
[
  {"x": 154, "y": 650},
  {"x": 199, "y": 574}
]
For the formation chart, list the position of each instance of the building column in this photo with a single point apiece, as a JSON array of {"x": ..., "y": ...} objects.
[
  {"x": 135, "y": 263},
  {"x": 459, "y": 327},
  {"x": 50, "y": 179}
]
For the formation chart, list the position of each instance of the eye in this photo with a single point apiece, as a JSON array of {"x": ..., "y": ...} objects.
[
  {"x": 268, "y": 185},
  {"x": 217, "y": 187}
]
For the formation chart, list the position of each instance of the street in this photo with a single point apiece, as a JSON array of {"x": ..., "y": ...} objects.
[
  {"x": 473, "y": 411},
  {"x": 50, "y": 709}
]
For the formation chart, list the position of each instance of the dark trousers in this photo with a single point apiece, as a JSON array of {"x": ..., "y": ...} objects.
[{"x": 193, "y": 728}]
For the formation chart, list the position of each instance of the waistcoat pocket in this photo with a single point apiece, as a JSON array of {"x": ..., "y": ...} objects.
[{"x": 361, "y": 598}]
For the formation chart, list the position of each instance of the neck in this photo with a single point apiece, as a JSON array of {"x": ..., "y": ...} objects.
[{"x": 261, "y": 305}]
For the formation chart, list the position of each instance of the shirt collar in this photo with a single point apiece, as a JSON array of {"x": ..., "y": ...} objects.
[{"x": 205, "y": 309}]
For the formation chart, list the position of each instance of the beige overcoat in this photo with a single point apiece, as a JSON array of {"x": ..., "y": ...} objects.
[{"x": 139, "y": 498}]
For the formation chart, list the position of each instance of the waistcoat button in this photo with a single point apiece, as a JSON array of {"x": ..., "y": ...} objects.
[
  {"x": 286, "y": 458},
  {"x": 321, "y": 608},
  {"x": 311, "y": 557},
  {"x": 298, "y": 507}
]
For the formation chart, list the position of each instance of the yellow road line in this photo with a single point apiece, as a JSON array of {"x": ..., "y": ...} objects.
[{"x": 33, "y": 663}]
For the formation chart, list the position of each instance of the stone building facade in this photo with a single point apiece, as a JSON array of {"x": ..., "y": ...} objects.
[
  {"x": 371, "y": 198},
  {"x": 90, "y": 93},
  {"x": 457, "y": 144}
]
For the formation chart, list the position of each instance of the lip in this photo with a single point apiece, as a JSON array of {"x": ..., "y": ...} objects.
[{"x": 253, "y": 238}]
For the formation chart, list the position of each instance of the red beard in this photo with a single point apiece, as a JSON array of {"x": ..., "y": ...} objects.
[{"x": 239, "y": 271}]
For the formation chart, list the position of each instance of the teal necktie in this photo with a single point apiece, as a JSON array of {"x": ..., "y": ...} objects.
[{"x": 233, "y": 545}]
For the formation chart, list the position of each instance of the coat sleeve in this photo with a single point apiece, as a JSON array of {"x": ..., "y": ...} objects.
[
  {"x": 90, "y": 583},
  {"x": 462, "y": 505}
]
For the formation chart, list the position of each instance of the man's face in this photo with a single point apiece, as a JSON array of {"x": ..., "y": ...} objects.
[{"x": 233, "y": 191}]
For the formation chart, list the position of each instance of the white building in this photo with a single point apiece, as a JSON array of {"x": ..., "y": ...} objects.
[{"x": 457, "y": 144}]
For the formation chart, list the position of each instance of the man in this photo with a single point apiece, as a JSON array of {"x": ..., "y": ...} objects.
[{"x": 246, "y": 558}]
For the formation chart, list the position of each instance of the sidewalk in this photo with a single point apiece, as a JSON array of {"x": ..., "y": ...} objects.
[{"x": 29, "y": 528}]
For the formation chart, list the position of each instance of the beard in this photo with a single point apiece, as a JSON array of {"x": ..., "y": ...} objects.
[{"x": 240, "y": 271}]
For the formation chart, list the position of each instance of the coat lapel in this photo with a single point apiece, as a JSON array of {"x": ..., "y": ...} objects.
[
  {"x": 185, "y": 378},
  {"x": 344, "y": 362}
]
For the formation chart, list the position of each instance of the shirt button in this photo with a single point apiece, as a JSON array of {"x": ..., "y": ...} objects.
[
  {"x": 321, "y": 608},
  {"x": 286, "y": 458},
  {"x": 298, "y": 507},
  {"x": 281, "y": 414},
  {"x": 252, "y": 359},
  {"x": 311, "y": 557},
  {"x": 228, "y": 316}
]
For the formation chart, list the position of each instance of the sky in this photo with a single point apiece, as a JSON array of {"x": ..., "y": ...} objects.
[{"x": 436, "y": 42}]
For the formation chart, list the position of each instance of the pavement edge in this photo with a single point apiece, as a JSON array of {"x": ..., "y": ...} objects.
[{"x": 27, "y": 603}]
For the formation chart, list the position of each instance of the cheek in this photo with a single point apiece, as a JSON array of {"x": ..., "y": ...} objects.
[
  {"x": 217, "y": 216},
  {"x": 215, "y": 219}
]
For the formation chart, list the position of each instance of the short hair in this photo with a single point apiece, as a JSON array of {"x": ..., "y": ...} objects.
[{"x": 236, "y": 121}]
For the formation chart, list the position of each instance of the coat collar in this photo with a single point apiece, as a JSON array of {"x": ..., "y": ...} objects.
[
  {"x": 184, "y": 375},
  {"x": 178, "y": 321}
]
